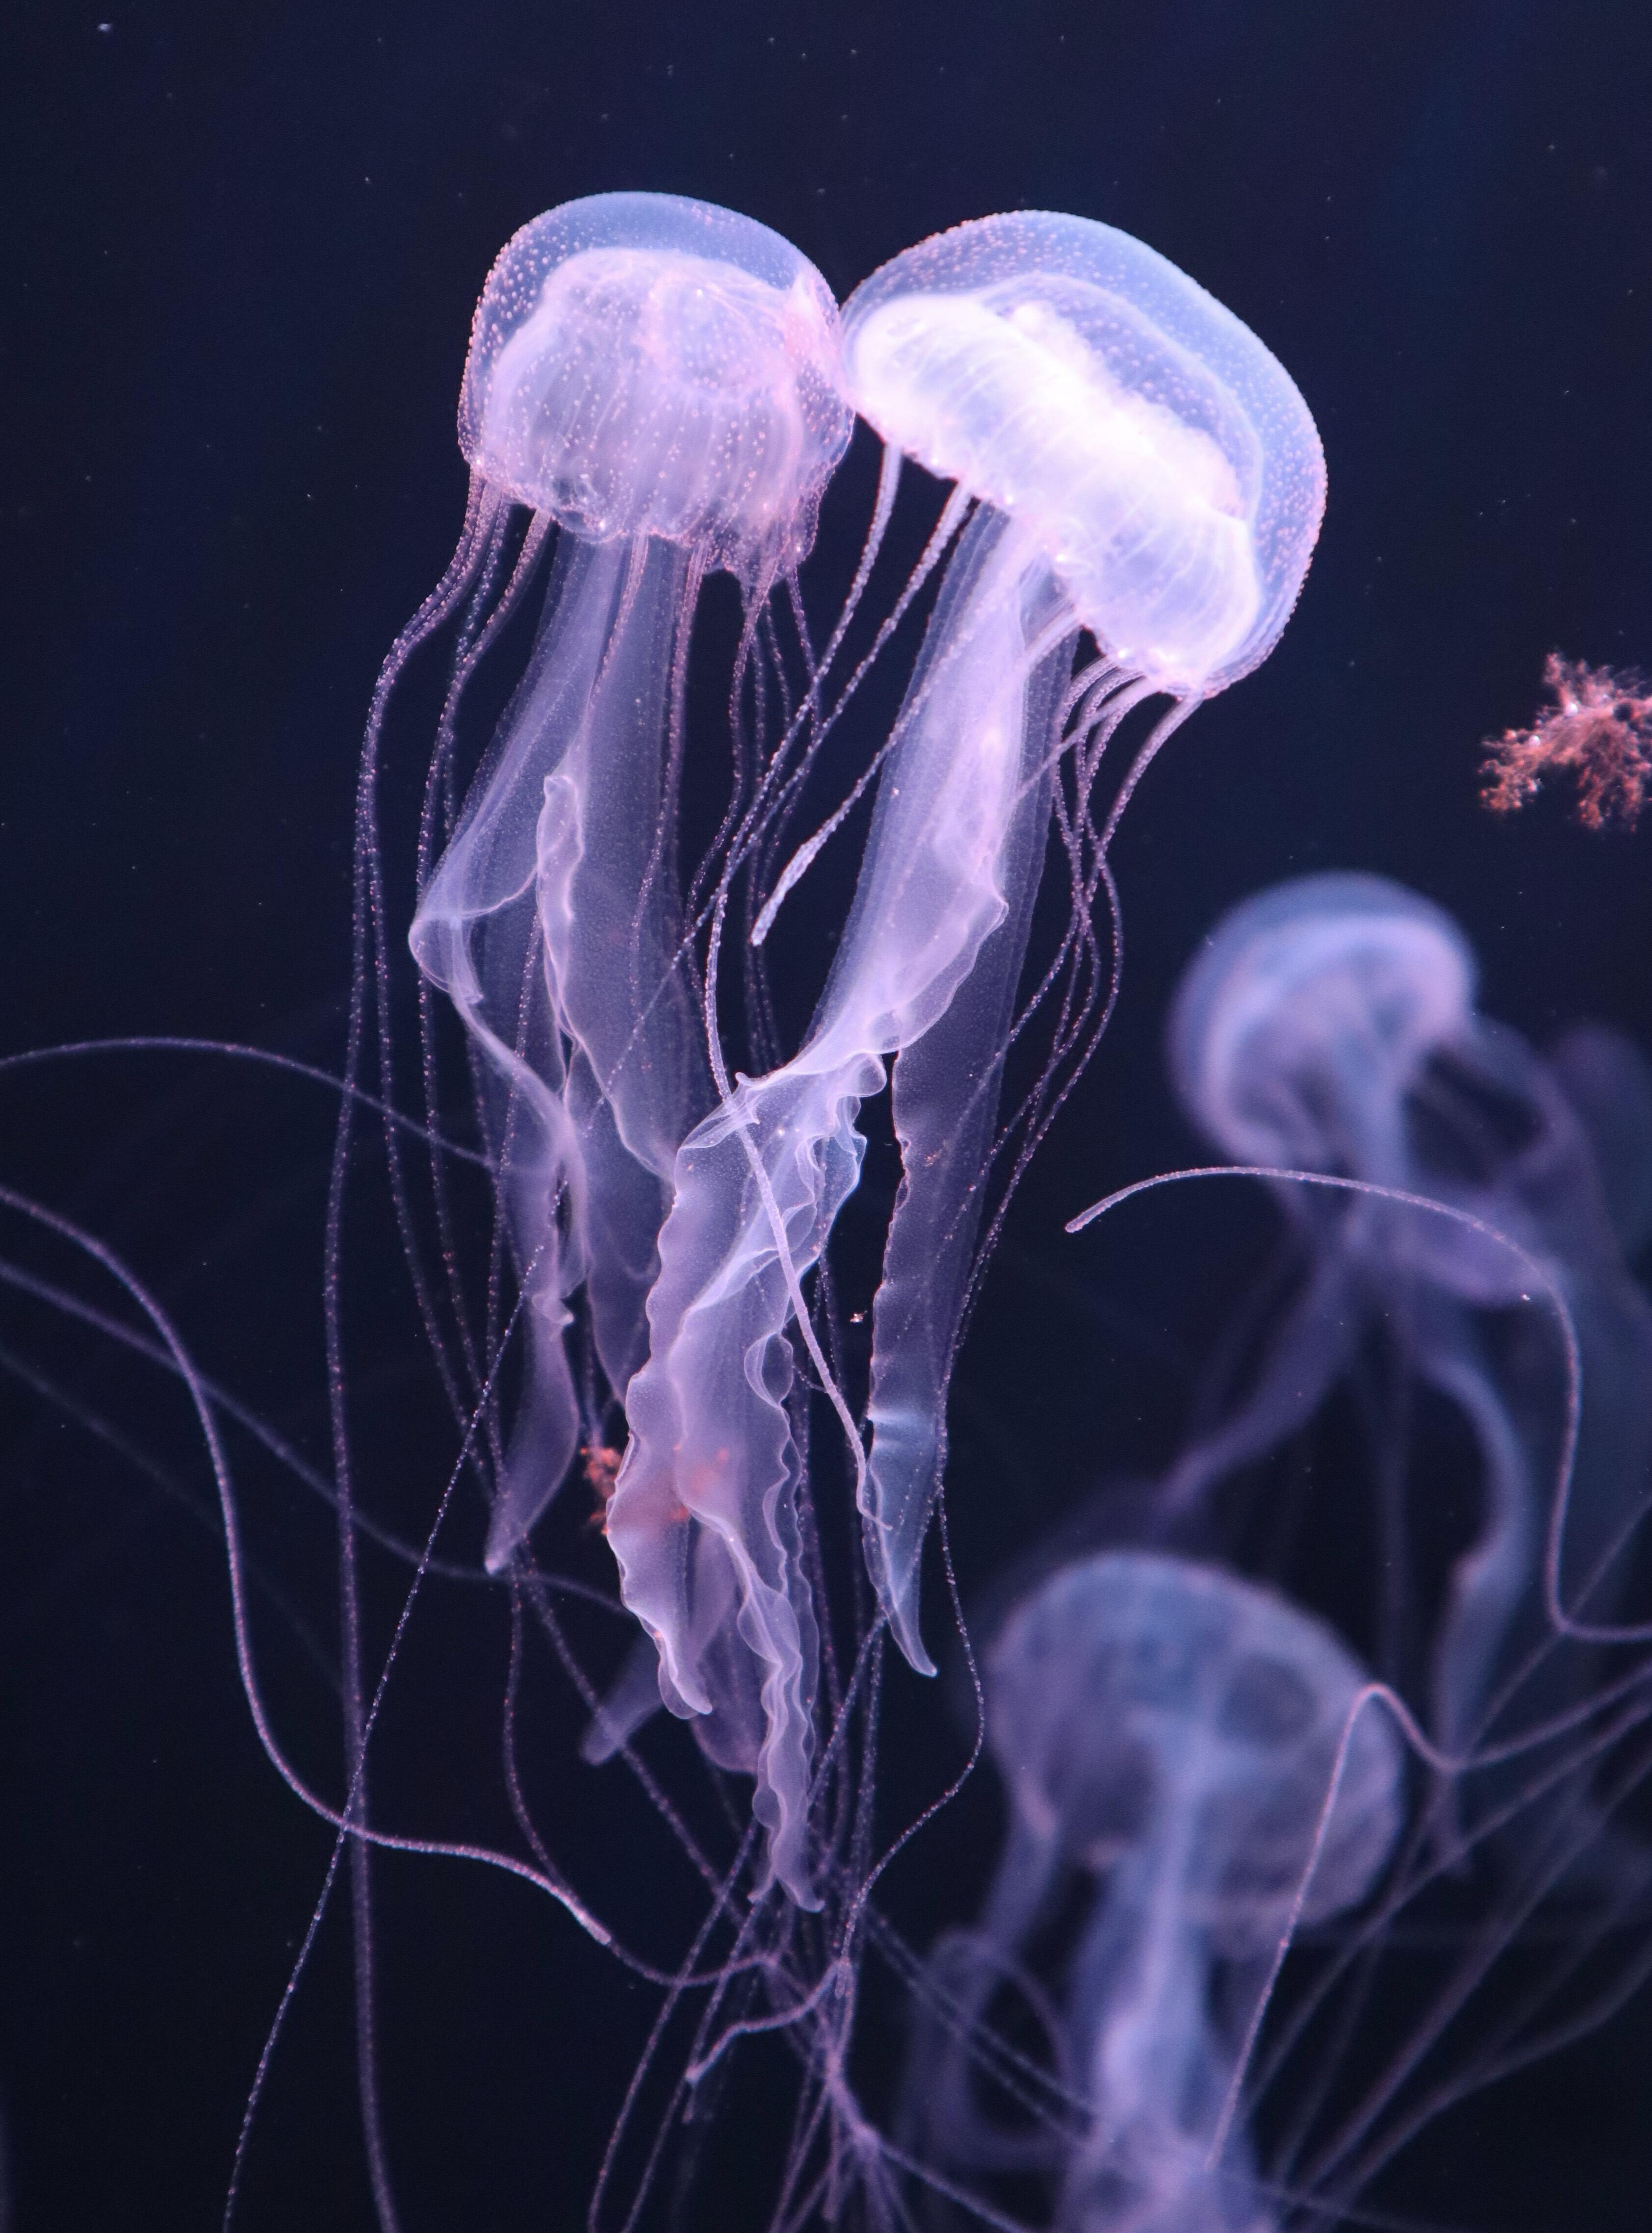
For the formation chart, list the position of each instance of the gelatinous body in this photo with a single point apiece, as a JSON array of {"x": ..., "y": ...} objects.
[
  {"x": 657, "y": 379},
  {"x": 1149, "y": 474},
  {"x": 1208, "y": 1756},
  {"x": 1330, "y": 1026}
]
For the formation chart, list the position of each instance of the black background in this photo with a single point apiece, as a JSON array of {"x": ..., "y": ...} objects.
[{"x": 245, "y": 246}]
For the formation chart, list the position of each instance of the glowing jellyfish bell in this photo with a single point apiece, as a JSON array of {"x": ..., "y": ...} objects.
[
  {"x": 647, "y": 365},
  {"x": 657, "y": 380},
  {"x": 1305, "y": 1019},
  {"x": 1155, "y": 456}
]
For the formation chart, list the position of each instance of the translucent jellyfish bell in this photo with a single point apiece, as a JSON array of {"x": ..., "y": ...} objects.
[
  {"x": 1160, "y": 456},
  {"x": 657, "y": 380},
  {"x": 1196, "y": 1745},
  {"x": 643, "y": 364},
  {"x": 1307, "y": 1013}
]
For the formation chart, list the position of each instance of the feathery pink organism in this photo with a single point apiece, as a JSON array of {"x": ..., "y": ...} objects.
[{"x": 1599, "y": 729}]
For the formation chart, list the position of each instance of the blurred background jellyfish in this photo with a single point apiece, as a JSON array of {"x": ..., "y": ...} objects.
[
  {"x": 1193, "y": 1769},
  {"x": 1136, "y": 471},
  {"x": 1328, "y": 1025}
]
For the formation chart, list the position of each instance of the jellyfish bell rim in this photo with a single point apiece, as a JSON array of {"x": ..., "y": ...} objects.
[
  {"x": 1249, "y": 941},
  {"x": 680, "y": 224},
  {"x": 1190, "y": 324}
]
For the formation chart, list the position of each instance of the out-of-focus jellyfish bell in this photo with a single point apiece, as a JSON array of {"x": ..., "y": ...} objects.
[
  {"x": 658, "y": 380},
  {"x": 1306, "y": 1017},
  {"x": 1328, "y": 1025},
  {"x": 1199, "y": 1748},
  {"x": 1139, "y": 467}
]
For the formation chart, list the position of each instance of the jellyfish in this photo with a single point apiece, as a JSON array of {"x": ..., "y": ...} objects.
[
  {"x": 652, "y": 394},
  {"x": 1194, "y": 1768},
  {"x": 655, "y": 379},
  {"x": 1139, "y": 472},
  {"x": 1330, "y": 1026}
]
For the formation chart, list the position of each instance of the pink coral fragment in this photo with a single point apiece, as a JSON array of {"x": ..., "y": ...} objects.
[{"x": 1599, "y": 730}]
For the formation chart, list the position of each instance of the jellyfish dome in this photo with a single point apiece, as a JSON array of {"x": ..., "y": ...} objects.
[
  {"x": 1206, "y": 1752},
  {"x": 1310, "y": 1011},
  {"x": 646, "y": 364},
  {"x": 1134, "y": 1685},
  {"x": 1157, "y": 452}
]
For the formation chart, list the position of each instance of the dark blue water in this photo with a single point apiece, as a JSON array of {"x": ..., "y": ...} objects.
[{"x": 245, "y": 247}]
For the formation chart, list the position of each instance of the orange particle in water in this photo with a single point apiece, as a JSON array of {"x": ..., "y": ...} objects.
[
  {"x": 1598, "y": 731},
  {"x": 601, "y": 1466}
]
